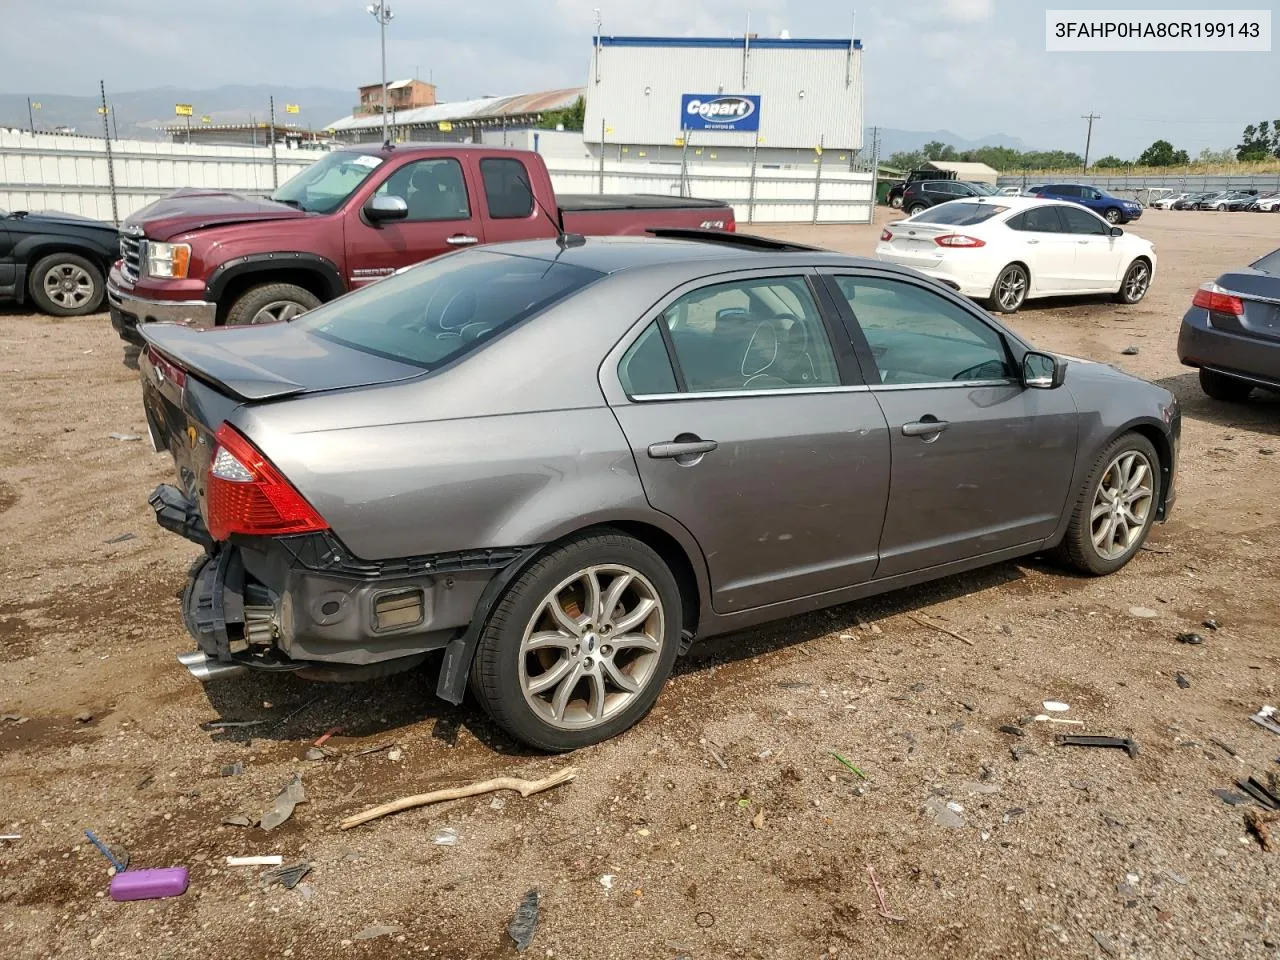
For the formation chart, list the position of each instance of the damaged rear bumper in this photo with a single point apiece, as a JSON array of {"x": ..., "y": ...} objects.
[{"x": 302, "y": 604}]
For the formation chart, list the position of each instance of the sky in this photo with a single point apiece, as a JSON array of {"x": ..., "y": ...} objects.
[{"x": 976, "y": 67}]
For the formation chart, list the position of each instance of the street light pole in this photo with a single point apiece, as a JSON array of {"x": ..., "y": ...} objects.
[{"x": 382, "y": 13}]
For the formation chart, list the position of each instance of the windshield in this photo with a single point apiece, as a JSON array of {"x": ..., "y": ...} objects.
[
  {"x": 1269, "y": 264},
  {"x": 445, "y": 308},
  {"x": 325, "y": 185},
  {"x": 959, "y": 213},
  {"x": 985, "y": 189}
]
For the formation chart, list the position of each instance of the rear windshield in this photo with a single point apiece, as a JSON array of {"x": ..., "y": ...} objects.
[
  {"x": 1269, "y": 264},
  {"x": 445, "y": 308},
  {"x": 959, "y": 213}
]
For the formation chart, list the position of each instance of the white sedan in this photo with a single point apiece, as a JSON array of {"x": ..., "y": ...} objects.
[{"x": 1006, "y": 250}]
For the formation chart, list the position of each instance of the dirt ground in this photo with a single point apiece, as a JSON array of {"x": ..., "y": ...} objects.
[{"x": 722, "y": 826}]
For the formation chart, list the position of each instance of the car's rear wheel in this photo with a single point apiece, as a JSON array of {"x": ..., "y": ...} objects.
[
  {"x": 270, "y": 303},
  {"x": 1228, "y": 389},
  {"x": 1136, "y": 282},
  {"x": 1116, "y": 508},
  {"x": 1112, "y": 215},
  {"x": 895, "y": 201},
  {"x": 578, "y": 648},
  {"x": 1010, "y": 289},
  {"x": 916, "y": 208},
  {"x": 66, "y": 285}
]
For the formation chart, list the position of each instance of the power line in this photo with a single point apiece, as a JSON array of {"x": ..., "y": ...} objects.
[{"x": 1089, "y": 137}]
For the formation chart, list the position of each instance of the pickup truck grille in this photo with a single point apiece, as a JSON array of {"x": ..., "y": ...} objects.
[{"x": 131, "y": 256}]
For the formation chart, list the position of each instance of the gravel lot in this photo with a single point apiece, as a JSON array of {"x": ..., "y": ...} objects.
[{"x": 724, "y": 823}]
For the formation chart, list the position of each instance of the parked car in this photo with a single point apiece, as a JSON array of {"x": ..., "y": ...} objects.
[
  {"x": 1006, "y": 250},
  {"x": 1168, "y": 202},
  {"x": 894, "y": 196},
  {"x": 1268, "y": 203},
  {"x": 1192, "y": 201},
  {"x": 1223, "y": 200},
  {"x": 395, "y": 473},
  {"x": 57, "y": 260},
  {"x": 1111, "y": 208},
  {"x": 1242, "y": 200},
  {"x": 209, "y": 257},
  {"x": 926, "y": 193},
  {"x": 1231, "y": 333}
]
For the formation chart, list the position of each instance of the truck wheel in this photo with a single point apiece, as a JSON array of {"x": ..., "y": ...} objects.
[
  {"x": 895, "y": 201},
  {"x": 65, "y": 285},
  {"x": 579, "y": 646},
  {"x": 269, "y": 303}
]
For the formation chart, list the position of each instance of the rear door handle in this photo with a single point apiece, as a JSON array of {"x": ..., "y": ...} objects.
[
  {"x": 1032, "y": 241},
  {"x": 924, "y": 428},
  {"x": 679, "y": 449},
  {"x": 1082, "y": 241},
  {"x": 462, "y": 240}
]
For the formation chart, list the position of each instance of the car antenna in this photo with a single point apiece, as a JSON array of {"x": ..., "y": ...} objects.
[{"x": 562, "y": 238}]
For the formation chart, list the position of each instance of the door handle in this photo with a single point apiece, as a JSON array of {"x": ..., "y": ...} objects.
[
  {"x": 1082, "y": 241},
  {"x": 462, "y": 240},
  {"x": 927, "y": 427},
  {"x": 1032, "y": 241},
  {"x": 681, "y": 449}
]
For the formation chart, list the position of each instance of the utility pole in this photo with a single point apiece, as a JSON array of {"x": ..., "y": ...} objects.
[
  {"x": 1088, "y": 138},
  {"x": 275, "y": 177},
  {"x": 382, "y": 13},
  {"x": 31, "y": 117},
  {"x": 106, "y": 136}
]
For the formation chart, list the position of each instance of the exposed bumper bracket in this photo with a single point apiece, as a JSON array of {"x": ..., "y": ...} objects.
[{"x": 178, "y": 514}]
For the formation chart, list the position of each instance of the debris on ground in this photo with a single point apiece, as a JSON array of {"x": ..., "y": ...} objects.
[
  {"x": 1194, "y": 639},
  {"x": 1182, "y": 681},
  {"x": 1101, "y": 939},
  {"x": 14, "y": 719},
  {"x": 881, "y": 908},
  {"x": 317, "y": 753},
  {"x": 212, "y": 726},
  {"x": 1056, "y": 706},
  {"x": 945, "y": 813},
  {"x": 149, "y": 884},
  {"x": 10, "y": 836},
  {"x": 522, "y": 925},
  {"x": 926, "y": 622},
  {"x": 288, "y": 877},
  {"x": 1230, "y": 798},
  {"x": 376, "y": 748},
  {"x": 606, "y": 881},
  {"x": 1265, "y": 718},
  {"x": 849, "y": 764},
  {"x": 377, "y": 930},
  {"x": 125, "y": 437},
  {"x": 85, "y": 717},
  {"x": 282, "y": 809},
  {"x": 1045, "y": 718},
  {"x": 394, "y": 754},
  {"x": 1258, "y": 823},
  {"x": 758, "y": 820},
  {"x": 1077, "y": 740},
  {"x": 270, "y": 860},
  {"x": 326, "y": 736},
  {"x": 1143, "y": 613},
  {"x": 1210, "y": 624},
  {"x": 231, "y": 769},
  {"x": 1130, "y": 351},
  {"x": 237, "y": 820},
  {"x": 1230, "y": 750},
  {"x": 1010, "y": 729},
  {"x": 447, "y": 837},
  {"x": 715, "y": 755},
  {"x": 118, "y": 857},
  {"x": 526, "y": 788},
  {"x": 1264, "y": 793},
  {"x": 121, "y": 538}
]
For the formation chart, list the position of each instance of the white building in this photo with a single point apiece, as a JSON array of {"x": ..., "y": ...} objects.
[{"x": 724, "y": 99}]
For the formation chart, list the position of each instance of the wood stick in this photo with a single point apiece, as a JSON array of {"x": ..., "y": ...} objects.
[
  {"x": 526, "y": 788},
  {"x": 926, "y": 622}
]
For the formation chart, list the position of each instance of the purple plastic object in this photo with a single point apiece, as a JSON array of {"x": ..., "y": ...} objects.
[{"x": 149, "y": 884}]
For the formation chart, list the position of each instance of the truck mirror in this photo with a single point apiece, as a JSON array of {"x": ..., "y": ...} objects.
[{"x": 386, "y": 207}]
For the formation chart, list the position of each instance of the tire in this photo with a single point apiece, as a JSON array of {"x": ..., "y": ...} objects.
[
  {"x": 66, "y": 285},
  {"x": 1009, "y": 292},
  {"x": 1136, "y": 282},
  {"x": 916, "y": 208},
  {"x": 1219, "y": 386},
  {"x": 553, "y": 718},
  {"x": 270, "y": 303},
  {"x": 1112, "y": 215},
  {"x": 895, "y": 202},
  {"x": 1079, "y": 548}
]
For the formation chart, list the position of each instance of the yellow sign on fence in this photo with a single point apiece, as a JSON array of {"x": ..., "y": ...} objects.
[
  {"x": 291, "y": 108},
  {"x": 182, "y": 109},
  {"x": 206, "y": 119},
  {"x": 445, "y": 126}
]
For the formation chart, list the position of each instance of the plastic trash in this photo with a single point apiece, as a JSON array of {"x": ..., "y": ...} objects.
[{"x": 149, "y": 884}]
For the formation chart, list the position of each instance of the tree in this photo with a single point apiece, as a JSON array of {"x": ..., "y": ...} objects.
[
  {"x": 571, "y": 117},
  {"x": 1109, "y": 162},
  {"x": 1215, "y": 157},
  {"x": 1162, "y": 154},
  {"x": 1255, "y": 144},
  {"x": 937, "y": 150},
  {"x": 905, "y": 160}
]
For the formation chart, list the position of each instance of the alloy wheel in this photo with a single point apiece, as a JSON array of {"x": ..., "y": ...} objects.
[
  {"x": 1122, "y": 504},
  {"x": 1136, "y": 282},
  {"x": 278, "y": 310},
  {"x": 1011, "y": 289},
  {"x": 1113, "y": 216},
  {"x": 592, "y": 646},
  {"x": 69, "y": 286}
]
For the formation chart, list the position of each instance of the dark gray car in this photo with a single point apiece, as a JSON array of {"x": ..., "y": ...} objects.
[{"x": 560, "y": 462}]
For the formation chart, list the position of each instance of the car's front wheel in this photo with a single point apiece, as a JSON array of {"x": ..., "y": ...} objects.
[
  {"x": 66, "y": 285},
  {"x": 1112, "y": 215},
  {"x": 1114, "y": 512},
  {"x": 1136, "y": 282},
  {"x": 895, "y": 202},
  {"x": 270, "y": 303},
  {"x": 578, "y": 648},
  {"x": 1219, "y": 386},
  {"x": 1010, "y": 289}
]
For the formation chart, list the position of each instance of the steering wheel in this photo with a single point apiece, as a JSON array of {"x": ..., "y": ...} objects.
[{"x": 976, "y": 372}]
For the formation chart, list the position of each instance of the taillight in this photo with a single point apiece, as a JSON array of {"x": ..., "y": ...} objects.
[
  {"x": 958, "y": 240},
  {"x": 248, "y": 495},
  {"x": 886, "y": 236},
  {"x": 166, "y": 369},
  {"x": 1213, "y": 298}
]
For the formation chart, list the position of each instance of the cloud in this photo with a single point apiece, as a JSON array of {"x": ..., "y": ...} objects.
[{"x": 968, "y": 11}]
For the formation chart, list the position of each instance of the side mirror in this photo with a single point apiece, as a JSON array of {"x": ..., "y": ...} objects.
[
  {"x": 1117, "y": 232},
  {"x": 1043, "y": 371},
  {"x": 381, "y": 209}
]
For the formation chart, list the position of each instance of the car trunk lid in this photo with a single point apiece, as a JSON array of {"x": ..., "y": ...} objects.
[
  {"x": 1259, "y": 293},
  {"x": 917, "y": 240}
]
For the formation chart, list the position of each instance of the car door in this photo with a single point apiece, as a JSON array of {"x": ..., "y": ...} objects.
[
  {"x": 751, "y": 428},
  {"x": 1049, "y": 250},
  {"x": 1097, "y": 261},
  {"x": 980, "y": 464},
  {"x": 441, "y": 218},
  {"x": 509, "y": 210},
  {"x": 8, "y": 269}
]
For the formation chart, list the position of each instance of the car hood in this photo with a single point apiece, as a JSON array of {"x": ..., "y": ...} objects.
[
  {"x": 54, "y": 222},
  {"x": 186, "y": 210}
]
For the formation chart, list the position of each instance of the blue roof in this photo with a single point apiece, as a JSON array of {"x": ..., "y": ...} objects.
[{"x": 731, "y": 42}]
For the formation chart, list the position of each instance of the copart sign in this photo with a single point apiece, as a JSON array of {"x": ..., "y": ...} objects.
[{"x": 720, "y": 111}]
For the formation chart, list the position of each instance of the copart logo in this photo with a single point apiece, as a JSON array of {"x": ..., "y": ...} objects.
[{"x": 723, "y": 109}]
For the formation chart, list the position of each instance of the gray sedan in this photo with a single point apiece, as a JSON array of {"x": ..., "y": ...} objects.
[{"x": 560, "y": 462}]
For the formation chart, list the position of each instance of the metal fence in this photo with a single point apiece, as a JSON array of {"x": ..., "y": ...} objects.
[{"x": 1141, "y": 186}]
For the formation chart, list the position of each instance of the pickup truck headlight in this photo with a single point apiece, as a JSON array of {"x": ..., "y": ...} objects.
[{"x": 168, "y": 261}]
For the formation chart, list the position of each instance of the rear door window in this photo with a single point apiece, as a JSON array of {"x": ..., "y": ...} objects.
[
  {"x": 507, "y": 188},
  {"x": 1038, "y": 220}
]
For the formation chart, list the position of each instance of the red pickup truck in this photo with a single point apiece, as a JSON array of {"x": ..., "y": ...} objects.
[{"x": 209, "y": 257}]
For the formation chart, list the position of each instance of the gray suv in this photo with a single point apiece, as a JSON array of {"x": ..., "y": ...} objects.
[{"x": 561, "y": 462}]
